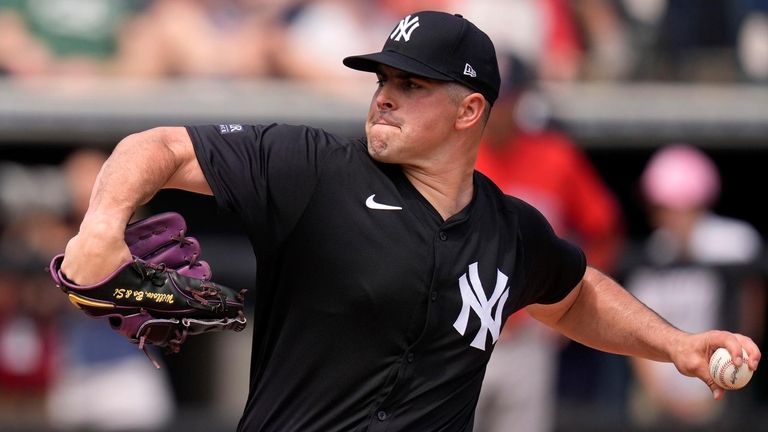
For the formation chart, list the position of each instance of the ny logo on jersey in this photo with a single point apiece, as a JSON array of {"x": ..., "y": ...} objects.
[
  {"x": 405, "y": 29},
  {"x": 473, "y": 296}
]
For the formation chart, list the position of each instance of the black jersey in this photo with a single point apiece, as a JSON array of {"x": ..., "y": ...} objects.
[{"x": 372, "y": 313}]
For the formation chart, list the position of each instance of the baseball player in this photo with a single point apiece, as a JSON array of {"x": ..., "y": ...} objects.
[{"x": 387, "y": 265}]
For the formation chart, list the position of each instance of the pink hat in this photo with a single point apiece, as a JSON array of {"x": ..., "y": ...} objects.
[{"x": 680, "y": 177}]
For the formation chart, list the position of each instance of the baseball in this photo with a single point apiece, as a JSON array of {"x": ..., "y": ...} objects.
[{"x": 725, "y": 374}]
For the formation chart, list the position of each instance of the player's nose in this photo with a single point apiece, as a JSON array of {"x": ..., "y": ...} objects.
[{"x": 384, "y": 99}]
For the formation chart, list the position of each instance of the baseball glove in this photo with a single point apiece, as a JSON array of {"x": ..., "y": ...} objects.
[{"x": 164, "y": 295}]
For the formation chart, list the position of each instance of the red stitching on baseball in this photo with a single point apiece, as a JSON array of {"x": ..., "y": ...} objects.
[{"x": 721, "y": 375}]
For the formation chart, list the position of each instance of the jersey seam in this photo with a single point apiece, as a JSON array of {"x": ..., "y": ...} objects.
[{"x": 321, "y": 168}]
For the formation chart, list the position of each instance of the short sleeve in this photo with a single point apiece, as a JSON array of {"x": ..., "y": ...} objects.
[
  {"x": 265, "y": 174},
  {"x": 552, "y": 265}
]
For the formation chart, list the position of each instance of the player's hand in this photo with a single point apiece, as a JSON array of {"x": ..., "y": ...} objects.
[
  {"x": 95, "y": 252},
  {"x": 691, "y": 355}
]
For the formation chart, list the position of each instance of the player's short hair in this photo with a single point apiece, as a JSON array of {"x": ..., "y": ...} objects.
[{"x": 458, "y": 91}]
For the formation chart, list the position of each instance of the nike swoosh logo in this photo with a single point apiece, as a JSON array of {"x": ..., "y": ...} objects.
[{"x": 371, "y": 204}]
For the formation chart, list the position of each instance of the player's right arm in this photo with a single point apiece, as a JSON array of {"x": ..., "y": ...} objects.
[
  {"x": 601, "y": 314},
  {"x": 140, "y": 165}
]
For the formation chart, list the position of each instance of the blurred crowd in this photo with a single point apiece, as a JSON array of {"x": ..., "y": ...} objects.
[
  {"x": 58, "y": 367},
  {"x": 699, "y": 269},
  {"x": 306, "y": 39}
]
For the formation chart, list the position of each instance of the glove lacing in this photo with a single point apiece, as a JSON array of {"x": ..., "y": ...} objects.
[{"x": 192, "y": 260}]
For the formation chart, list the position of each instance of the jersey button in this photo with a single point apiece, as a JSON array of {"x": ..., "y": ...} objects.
[
  {"x": 433, "y": 296},
  {"x": 409, "y": 358},
  {"x": 381, "y": 415},
  {"x": 443, "y": 236}
]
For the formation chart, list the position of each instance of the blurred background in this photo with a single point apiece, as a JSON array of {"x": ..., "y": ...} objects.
[{"x": 638, "y": 127}]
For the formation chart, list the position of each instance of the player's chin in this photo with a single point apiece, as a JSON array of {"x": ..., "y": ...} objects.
[
  {"x": 377, "y": 148},
  {"x": 378, "y": 156}
]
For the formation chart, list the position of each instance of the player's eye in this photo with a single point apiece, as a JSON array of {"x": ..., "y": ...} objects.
[{"x": 411, "y": 85}]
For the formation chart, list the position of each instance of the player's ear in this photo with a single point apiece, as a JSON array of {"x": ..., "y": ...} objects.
[{"x": 470, "y": 111}]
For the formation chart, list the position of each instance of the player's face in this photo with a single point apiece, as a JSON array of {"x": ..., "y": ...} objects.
[{"x": 410, "y": 118}]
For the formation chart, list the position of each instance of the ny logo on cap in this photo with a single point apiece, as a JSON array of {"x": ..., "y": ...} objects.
[{"x": 405, "y": 28}]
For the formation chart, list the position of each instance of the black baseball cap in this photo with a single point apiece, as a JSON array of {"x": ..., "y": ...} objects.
[{"x": 440, "y": 46}]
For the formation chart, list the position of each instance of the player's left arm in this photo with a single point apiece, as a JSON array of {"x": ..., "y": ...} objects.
[{"x": 601, "y": 314}]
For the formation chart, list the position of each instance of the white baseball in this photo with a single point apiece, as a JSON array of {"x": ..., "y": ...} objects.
[{"x": 725, "y": 373}]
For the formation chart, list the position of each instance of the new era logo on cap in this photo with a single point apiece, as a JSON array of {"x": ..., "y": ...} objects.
[
  {"x": 439, "y": 46},
  {"x": 469, "y": 71}
]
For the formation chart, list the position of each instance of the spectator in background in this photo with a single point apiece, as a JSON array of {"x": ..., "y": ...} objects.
[
  {"x": 317, "y": 35},
  {"x": 688, "y": 40},
  {"x": 682, "y": 275},
  {"x": 751, "y": 17},
  {"x": 606, "y": 38},
  {"x": 142, "y": 38},
  {"x": 201, "y": 38},
  {"x": 562, "y": 40},
  {"x": 29, "y": 344},
  {"x": 529, "y": 159},
  {"x": 21, "y": 54},
  {"x": 339, "y": 27},
  {"x": 31, "y": 227},
  {"x": 541, "y": 33},
  {"x": 71, "y": 364},
  {"x": 61, "y": 37}
]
